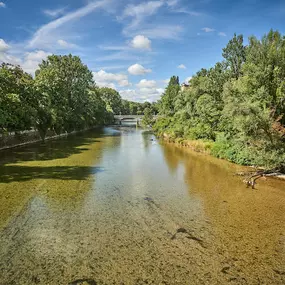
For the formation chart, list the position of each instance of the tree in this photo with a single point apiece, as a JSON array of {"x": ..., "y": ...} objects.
[
  {"x": 148, "y": 117},
  {"x": 234, "y": 53},
  {"x": 112, "y": 99},
  {"x": 65, "y": 81},
  {"x": 168, "y": 98},
  {"x": 239, "y": 103},
  {"x": 16, "y": 99}
]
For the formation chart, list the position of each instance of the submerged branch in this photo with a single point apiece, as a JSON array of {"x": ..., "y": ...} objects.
[{"x": 253, "y": 176}]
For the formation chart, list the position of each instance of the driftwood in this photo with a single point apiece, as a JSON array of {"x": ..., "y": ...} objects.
[{"x": 253, "y": 176}]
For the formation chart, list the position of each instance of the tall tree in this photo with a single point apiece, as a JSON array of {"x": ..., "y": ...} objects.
[
  {"x": 65, "y": 80},
  {"x": 234, "y": 53},
  {"x": 16, "y": 99},
  {"x": 167, "y": 102},
  {"x": 112, "y": 99}
]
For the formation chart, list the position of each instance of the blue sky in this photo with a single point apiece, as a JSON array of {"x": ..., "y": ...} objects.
[{"x": 130, "y": 45}]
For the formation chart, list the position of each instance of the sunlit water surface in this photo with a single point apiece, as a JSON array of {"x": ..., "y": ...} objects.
[{"x": 115, "y": 206}]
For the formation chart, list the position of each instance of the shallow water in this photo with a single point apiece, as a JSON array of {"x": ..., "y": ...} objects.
[{"x": 115, "y": 206}]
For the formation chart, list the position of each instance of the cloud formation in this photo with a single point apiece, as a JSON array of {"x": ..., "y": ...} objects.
[
  {"x": 139, "y": 12},
  {"x": 141, "y": 42},
  {"x": 65, "y": 44},
  {"x": 138, "y": 69},
  {"x": 188, "y": 79},
  {"x": 222, "y": 34},
  {"x": 181, "y": 66},
  {"x": 3, "y": 46},
  {"x": 2, "y": 5},
  {"x": 44, "y": 34},
  {"x": 142, "y": 94},
  {"x": 207, "y": 30},
  {"x": 169, "y": 32},
  {"x": 146, "y": 83},
  {"x": 54, "y": 13},
  {"x": 105, "y": 79},
  {"x": 29, "y": 61}
]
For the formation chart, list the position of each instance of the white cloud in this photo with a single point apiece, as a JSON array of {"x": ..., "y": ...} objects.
[
  {"x": 173, "y": 8},
  {"x": 64, "y": 44},
  {"x": 54, "y": 13},
  {"x": 158, "y": 32},
  {"x": 150, "y": 29},
  {"x": 45, "y": 34},
  {"x": 188, "y": 79},
  {"x": 105, "y": 79},
  {"x": 181, "y": 66},
  {"x": 142, "y": 95},
  {"x": 114, "y": 48},
  {"x": 2, "y": 5},
  {"x": 146, "y": 83},
  {"x": 107, "y": 84},
  {"x": 121, "y": 56},
  {"x": 172, "y": 3},
  {"x": 208, "y": 30},
  {"x": 33, "y": 59},
  {"x": 185, "y": 11},
  {"x": 113, "y": 67},
  {"x": 138, "y": 69},
  {"x": 141, "y": 11},
  {"x": 141, "y": 42},
  {"x": 3, "y": 46},
  {"x": 29, "y": 61},
  {"x": 166, "y": 81},
  {"x": 38, "y": 55},
  {"x": 7, "y": 58},
  {"x": 222, "y": 34},
  {"x": 147, "y": 90}
]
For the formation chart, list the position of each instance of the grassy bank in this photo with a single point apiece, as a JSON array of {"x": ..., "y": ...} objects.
[{"x": 218, "y": 149}]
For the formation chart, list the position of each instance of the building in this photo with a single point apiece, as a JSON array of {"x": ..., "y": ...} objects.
[{"x": 184, "y": 86}]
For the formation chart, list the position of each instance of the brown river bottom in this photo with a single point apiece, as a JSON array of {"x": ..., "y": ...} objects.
[{"x": 117, "y": 207}]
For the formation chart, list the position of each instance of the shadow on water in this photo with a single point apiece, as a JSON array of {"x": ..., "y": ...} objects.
[
  {"x": 53, "y": 149},
  {"x": 17, "y": 173}
]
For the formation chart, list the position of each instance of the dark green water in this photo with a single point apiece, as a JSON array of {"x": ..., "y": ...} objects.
[{"x": 116, "y": 206}]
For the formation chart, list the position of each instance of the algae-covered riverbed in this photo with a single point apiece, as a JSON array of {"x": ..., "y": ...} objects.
[{"x": 114, "y": 206}]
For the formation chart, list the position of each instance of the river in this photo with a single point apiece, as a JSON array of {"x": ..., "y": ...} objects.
[{"x": 116, "y": 206}]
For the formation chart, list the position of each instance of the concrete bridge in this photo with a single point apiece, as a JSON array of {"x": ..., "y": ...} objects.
[{"x": 134, "y": 118}]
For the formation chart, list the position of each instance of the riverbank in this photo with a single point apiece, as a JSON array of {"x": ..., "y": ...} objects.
[
  {"x": 206, "y": 147},
  {"x": 18, "y": 139}
]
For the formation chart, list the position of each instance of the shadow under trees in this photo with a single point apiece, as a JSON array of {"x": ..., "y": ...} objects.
[{"x": 17, "y": 173}]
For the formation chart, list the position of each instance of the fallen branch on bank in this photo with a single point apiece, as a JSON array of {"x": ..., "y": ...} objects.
[{"x": 253, "y": 176}]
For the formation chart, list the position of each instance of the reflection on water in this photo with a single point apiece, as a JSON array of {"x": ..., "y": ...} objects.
[{"x": 117, "y": 207}]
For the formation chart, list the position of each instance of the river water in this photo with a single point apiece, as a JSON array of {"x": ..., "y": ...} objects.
[{"x": 116, "y": 206}]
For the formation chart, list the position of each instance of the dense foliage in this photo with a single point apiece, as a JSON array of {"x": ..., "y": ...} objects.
[
  {"x": 239, "y": 104},
  {"x": 62, "y": 97}
]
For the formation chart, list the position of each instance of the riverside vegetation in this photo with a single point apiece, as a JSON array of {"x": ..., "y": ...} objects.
[
  {"x": 61, "y": 97},
  {"x": 234, "y": 110}
]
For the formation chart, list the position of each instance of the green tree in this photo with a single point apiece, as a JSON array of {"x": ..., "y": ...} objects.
[
  {"x": 235, "y": 55},
  {"x": 148, "y": 117},
  {"x": 167, "y": 101},
  {"x": 16, "y": 99},
  {"x": 65, "y": 81},
  {"x": 112, "y": 99}
]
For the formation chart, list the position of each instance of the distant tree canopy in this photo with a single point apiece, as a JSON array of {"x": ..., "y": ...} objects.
[
  {"x": 239, "y": 104},
  {"x": 62, "y": 97}
]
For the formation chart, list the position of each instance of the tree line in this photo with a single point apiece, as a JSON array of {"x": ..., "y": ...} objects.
[
  {"x": 62, "y": 97},
  {"x": 237, "y": 106}
]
